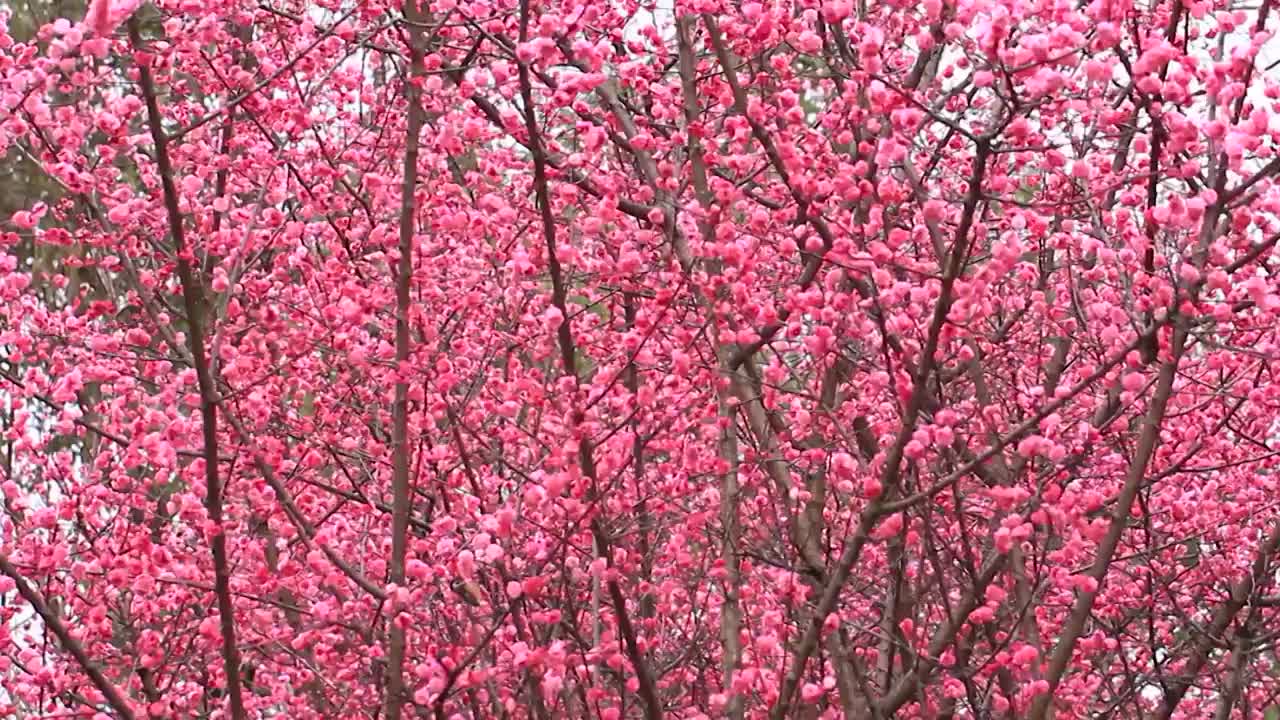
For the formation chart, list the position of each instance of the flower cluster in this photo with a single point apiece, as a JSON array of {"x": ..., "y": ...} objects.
[{"x": 621, "y": 359}]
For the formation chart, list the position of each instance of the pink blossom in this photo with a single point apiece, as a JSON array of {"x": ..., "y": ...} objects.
[
  {"x": 104, "y": 16},
  {"x": 569, "y": 359}
]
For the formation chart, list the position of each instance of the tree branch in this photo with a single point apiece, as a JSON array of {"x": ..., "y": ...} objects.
[
  {"x": 108, "y": 689},
  {"x": 194, "y": 302}
]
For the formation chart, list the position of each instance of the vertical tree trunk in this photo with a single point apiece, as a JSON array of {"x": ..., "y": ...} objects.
[{"x": 402, "y": 493}]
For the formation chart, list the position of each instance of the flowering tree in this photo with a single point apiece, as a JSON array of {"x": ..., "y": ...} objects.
[{"x": 516, "y": 358}]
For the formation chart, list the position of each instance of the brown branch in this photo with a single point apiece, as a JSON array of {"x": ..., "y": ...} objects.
[
  {"x": 294, "y": 513},
  {"x": 946, "y": 633},
  {"x": 108, "y": 689},
  {"x": 194, "y": 302},
  {"x": 871, "y": 516},
  {"x": 1239, "y": 663},
  {"x": 1145, "y": 450},
  {"x": 648, "y": 688},
  {"x": 1205, "y": 642},
  {"x": 731, "y": 608},
  {"x": 456, "y": 672},
  {"x": 805, "y": 212},
  {"x": 401, "y": 491}
]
